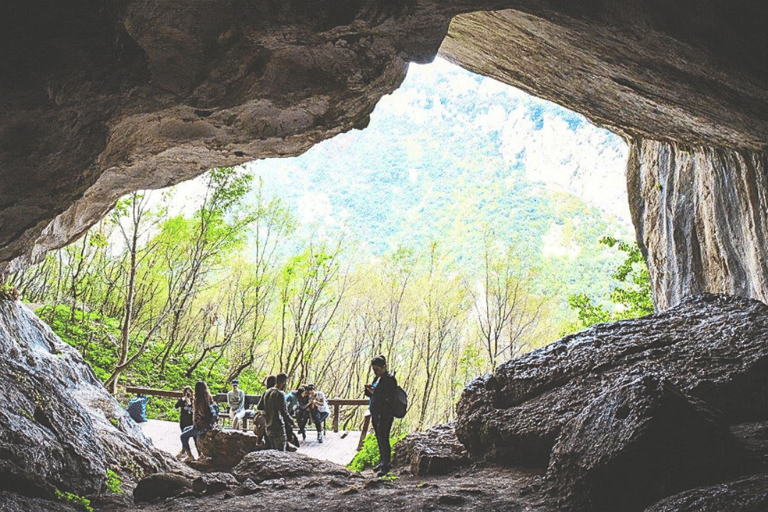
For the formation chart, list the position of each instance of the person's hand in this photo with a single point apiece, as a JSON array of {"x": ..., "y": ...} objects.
[{"x": 369, "y": 388}]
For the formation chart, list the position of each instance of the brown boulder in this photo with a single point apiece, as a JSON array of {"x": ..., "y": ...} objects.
[
  {"x": 224, "y": 449},
  {"x": 211, "y": 483},
  {"x": 435, "y": 452},
  {"x": 272, "y": 465},
  {"x": 160, "y": 486}
]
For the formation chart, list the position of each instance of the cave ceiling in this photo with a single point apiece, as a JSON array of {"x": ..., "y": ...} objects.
[{"x": 99, "y": 98}]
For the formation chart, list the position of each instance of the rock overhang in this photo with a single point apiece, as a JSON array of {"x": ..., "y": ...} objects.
[{"x": 103, "y": 97}]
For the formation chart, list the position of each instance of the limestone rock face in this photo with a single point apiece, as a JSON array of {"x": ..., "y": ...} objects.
[
  {"x": 710, "y": 347},
  {"x": 59, "y": 427},
  {"x": 103, "y": 98},
  {"x": 700, "y": 217}
]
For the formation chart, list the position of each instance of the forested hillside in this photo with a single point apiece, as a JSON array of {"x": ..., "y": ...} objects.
[{"x": 447, "y": 236}]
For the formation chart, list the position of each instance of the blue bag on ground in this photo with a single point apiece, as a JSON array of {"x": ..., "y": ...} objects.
[{"x": 137, "y": 408}]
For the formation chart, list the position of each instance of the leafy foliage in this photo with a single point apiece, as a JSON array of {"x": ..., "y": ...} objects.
[
  {"x": 368, "y": 456},
  {"x": 632, "y": 299}
]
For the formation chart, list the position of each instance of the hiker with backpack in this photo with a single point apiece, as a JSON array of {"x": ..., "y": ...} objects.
[
  {"x": 382, "y": 393},
  {"x": 205, "y": 416}
]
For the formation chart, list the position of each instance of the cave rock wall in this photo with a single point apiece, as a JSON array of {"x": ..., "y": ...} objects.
[
  {"x": 59, "y": 427},
  {"x": 701, "y": 216}
]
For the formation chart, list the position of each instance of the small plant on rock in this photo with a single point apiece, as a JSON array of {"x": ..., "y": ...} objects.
[
  {"x": 113, "y": 482},
  {"x": 75, "y": 499}
]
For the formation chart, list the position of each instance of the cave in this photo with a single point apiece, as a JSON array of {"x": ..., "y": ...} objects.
[{"x": 102, "y": 97}]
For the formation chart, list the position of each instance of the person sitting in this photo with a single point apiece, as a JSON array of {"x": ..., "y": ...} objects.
[
  {"x": 203, "y": 419},
  {"x": 236, "y": 402},
  {"x": 318, "y": 409}
]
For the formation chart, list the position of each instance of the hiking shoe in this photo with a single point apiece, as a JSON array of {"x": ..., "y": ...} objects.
[
  {"x": 303, "y": 435},
  {"x": 319, "y": 438},
  {"x": 383, "y": 470}
]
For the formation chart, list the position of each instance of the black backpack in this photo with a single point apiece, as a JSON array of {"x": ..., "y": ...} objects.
[{"x": 400, "y": 403}]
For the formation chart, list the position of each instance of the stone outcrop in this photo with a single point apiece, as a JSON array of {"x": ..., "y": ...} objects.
[
  {"x": 161, "y": 92},
  {"x": 641, "y": 440},
  {"x": 272, "y": 465},
  {"x": 624, "y": 399},
  {"x": 224, "y": 449},
  {"x": 59, "y": 428},
  {"x": 744, "y": 495},
  {"x": 160, "y": 486},
  {"x": 434, "y": 452}
]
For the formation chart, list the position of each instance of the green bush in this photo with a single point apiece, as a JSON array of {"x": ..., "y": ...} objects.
[{"x": 368, "y": 456}]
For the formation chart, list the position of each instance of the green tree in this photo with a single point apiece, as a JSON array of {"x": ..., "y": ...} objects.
[{"x": 631, "y": 299}]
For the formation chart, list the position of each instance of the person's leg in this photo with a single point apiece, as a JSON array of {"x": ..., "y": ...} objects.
[
  {"x": 385, "y": 450},
  {"x": 301, "y": 419},
  {"x": 375, "y": 426},
  {"x": 237, "y": 419},
  {"x": 278, "y": 440},
  {"x": 319, "y": 417},
  {"x": 185, "y": 436}
]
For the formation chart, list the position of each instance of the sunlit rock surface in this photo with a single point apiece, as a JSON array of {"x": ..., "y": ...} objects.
[
  {"x": 102, "y": 98},
  {"x": 59, "y": 428},
  {"x": 701, "y": 216}
]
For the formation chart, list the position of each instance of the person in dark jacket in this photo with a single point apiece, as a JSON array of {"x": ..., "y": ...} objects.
[
  {"x": 382, "y": 395},
  {"x": 185, "y": 406}
]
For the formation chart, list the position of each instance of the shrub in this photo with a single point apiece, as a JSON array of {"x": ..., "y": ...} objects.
[{"x": 368, "y": 456}]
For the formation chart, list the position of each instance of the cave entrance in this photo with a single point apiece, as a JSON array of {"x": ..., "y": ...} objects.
[{"x": 463, "y": 199}]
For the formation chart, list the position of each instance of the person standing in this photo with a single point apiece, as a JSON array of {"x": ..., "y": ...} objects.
[
  {"x": 203, "y": 419},
  {"x": 186, "y": 407},
  {"x": 275, "y": 411},
  {"x": 236, "y": 402},
  {"x": 382, "y": 396},
  {"x": 318, "y": 409}
]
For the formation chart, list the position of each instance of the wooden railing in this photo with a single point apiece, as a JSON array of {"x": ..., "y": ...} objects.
[{"x": 336, "y": 403}]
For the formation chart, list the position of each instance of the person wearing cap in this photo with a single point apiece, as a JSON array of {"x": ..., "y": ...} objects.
[
  {"x": 236, "y": 402},
  {"x": 382, "y": 396}
]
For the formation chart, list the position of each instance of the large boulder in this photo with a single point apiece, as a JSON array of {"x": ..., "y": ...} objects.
[
  {"x": 749, "y": 494},
  {"x": 273, "y": 465},
  {"x": 434, "y": 452},
  {"x": 224, "y": 449},
  {"x": 159, "y": 486},
  {"x": 710, "y": 347},
  {"x": 639, "y": 441},
  {"x": 59, "y": 427}
]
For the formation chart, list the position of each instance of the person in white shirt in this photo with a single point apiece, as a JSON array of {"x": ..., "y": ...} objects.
[
  {"x": 236, "y": 402},
  {"x": 318, "y": 409}
]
